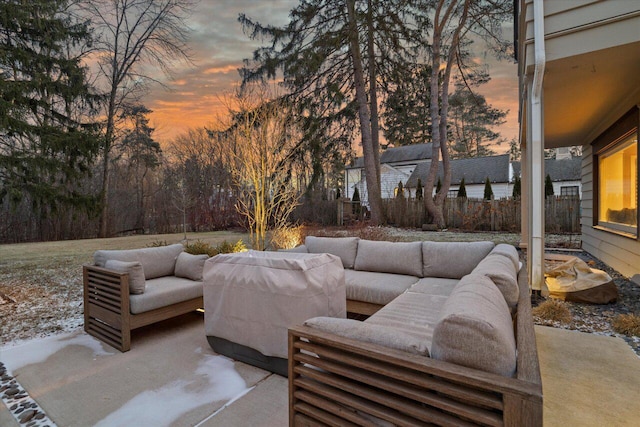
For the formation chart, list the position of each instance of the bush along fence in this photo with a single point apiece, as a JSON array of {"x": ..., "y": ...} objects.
[{"x": 562, "y": 214}]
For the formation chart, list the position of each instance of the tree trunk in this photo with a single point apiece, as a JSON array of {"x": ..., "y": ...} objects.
[
  {"x": 108, "y": 141},
  {"x": 371, "y": 168}
]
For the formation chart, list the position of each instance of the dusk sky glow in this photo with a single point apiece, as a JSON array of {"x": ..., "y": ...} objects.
[{"x": 218, "y": 47}]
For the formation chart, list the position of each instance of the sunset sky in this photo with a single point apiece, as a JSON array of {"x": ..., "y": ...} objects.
[{"x": 218, "y": 47}]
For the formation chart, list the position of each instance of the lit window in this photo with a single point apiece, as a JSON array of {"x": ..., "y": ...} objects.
[{"x": 618, "y": 186}]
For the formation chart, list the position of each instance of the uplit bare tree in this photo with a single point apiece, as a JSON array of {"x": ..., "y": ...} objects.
[
  {"x": 260, "y": 140},
  {"x": 131, "y": 34}
]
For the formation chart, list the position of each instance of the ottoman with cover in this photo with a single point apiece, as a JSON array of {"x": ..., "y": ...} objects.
[{"x": 252, "y": 298}]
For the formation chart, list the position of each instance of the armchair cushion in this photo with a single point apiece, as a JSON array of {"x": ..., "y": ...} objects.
[
  {"x": 190, "y": 266},
  {"x": 134, "y": 269}
]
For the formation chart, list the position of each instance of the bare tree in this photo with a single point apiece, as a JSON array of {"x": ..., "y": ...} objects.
[
  {"x": 260, "y": 142},
  {"x": 130, "y": 34}
]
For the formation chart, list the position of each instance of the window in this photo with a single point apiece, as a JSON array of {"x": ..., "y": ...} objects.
[
  {"x": 452, "y": 194},
  {"x": 570, "y": 190},
  {"x": 618, "y": 185}
]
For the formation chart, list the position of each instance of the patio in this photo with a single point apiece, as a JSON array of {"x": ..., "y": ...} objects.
[{"x": 172, "y": 377}]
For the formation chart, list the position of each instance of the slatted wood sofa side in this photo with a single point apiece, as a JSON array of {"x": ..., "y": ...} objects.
[
  {"x": 341, "y": 382},
  {"x": 106, "y": 307}
]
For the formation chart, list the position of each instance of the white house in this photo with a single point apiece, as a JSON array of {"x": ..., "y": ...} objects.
[
  {"x": 396, "y": 164},
  {"x": 579, "y": 72}
]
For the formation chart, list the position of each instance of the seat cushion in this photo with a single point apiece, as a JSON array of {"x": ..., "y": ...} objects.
[
  {"x": 164, "y": 291},
  {"x": 389, "y": 257},
  {"x": 343, "y": 247},
  {"x": 475, "y": 328},
  {"x": 434, "y": 286},
  {"x": 370, "y": 333},
  {"x": 453, "y": 260},
  {"x": 157, "y": 262},
  {"x": 135, "y": 271},
  {"x": 412, "y": 313},
  {"x": 190, "y": 266},
  {"x": 376, "y": 288}
]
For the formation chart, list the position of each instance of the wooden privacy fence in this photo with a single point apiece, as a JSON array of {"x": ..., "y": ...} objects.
[{"x": 562, "y": 214}]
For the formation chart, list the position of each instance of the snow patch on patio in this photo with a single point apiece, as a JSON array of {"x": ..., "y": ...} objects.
[
  {"x": 40, "y": 349},
  {"x": 164, "y": 406}
]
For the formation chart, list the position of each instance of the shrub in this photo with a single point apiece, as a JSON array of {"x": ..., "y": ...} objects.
[
  {"x": 627, "y": 324},
  {"x": 229, "y": 248},
  {"x": 286, "y": 237},
  {"x": 199, "y": 247},
  {"x": 157, "y": 244},
  {"x": 554, "y": 311}
]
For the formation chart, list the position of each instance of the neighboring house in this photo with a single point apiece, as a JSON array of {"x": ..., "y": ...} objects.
[
  {"x": 396, "y": 164},
  {"x": 475, "y": 172},
  {"x": 565, "y": 174},
  {"x": 579, "y": 72}
]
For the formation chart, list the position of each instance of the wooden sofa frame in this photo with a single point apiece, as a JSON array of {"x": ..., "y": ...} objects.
[
  {"x": 106, "y": 307},
  {"x": 342, "y": 382}
]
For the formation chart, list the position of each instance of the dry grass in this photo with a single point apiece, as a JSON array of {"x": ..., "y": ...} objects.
[
  {"x": 287, "y": 237},
  {"x": 553, "y": 311},
  {"x": 627, "y": 324}
]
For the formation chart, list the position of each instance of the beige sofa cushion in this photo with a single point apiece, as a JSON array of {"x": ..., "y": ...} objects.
[
  {"x": 135, "y": 271},
  {"x": 164, "y": 291},
  {"x": 500, "y": 270},
  {"x": 370, "y": 333},
  {"x": 434, "y": 286},
  {"x": 157, "y": 262},
  {"x": 376, "y": 288},
  {"x": 508, "y": 251},
  {"x": 190, "y": 266},
  {"x": 343, "y": 247},
  {"x": 414, "y": 314},
  {"x": 475, "y": 328},
  {"x": 389, "y": 257},
  {"x": 452, "y": 259}
]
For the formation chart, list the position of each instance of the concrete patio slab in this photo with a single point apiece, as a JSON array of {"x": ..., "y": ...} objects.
[
  {"x": 587, "y": 379},
  {"x": 172, "y": 377}
]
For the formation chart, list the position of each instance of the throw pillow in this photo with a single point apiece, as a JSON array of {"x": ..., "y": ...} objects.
[
  {"x": 190, "y": 266},
  {"x": 134, "y": 269}
]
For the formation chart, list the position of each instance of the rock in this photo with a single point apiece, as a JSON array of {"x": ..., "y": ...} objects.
[
  {"x": 429, "y": 227},
  {"x": 27, "y": 416},
  {"x": 12, "y": 391}
]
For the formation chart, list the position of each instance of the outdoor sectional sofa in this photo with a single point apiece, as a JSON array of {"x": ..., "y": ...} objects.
[
  {"x": 450, "y": 339},
  {"x": 128, "y": 289}
]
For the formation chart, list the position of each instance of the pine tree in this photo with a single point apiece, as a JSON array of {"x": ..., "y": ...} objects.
[
  {"x": 488, "y": 191},
  {"x": 462, "y": 190},
  {"x": 400, "y": 191},
  {"x": 356, "y": 201},
  {"x": 438, "y": 185},
  {"x": 47, "y": 138},
  {"x": 548, "y": 187},
  {"x": 419, "y": 189},
  {"x": 517, "y": 188}
]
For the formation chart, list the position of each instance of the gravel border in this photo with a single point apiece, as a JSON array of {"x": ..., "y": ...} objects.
[{"x": 23, "y": 408}]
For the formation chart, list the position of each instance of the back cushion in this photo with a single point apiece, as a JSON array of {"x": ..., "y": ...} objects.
[
  {"x": 157, "y": 262},
  {"x": 389, "y": 257},
  {"x": 508, "y": 251},
  {"x": 501, "y": 271},
  {"x": 475, "y": 328},
  {"x": 452, "y": 260},
  {"x": 343, "y": 247},
  {"x": 190, "y": 266}
]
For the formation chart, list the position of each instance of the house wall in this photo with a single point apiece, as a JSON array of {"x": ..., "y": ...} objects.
[
  {"x": 557, "y": 187},
  {"x": 619, "y": 252}
]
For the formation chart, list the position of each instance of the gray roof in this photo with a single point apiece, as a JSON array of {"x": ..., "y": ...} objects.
[
  {"x": 474, "y": 170},
  {"x": 558, "y": 170},
  {"x": 406, "y": 153}
]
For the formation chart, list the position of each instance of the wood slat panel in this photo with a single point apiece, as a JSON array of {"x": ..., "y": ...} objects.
[
  {"x": 328, "y": 418},
  {"x": 399, "y": 372},
  {"x": 357, "y": 403},
  {"x": 411, "y": 392},
  {"x": 301, "y": 420}
]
